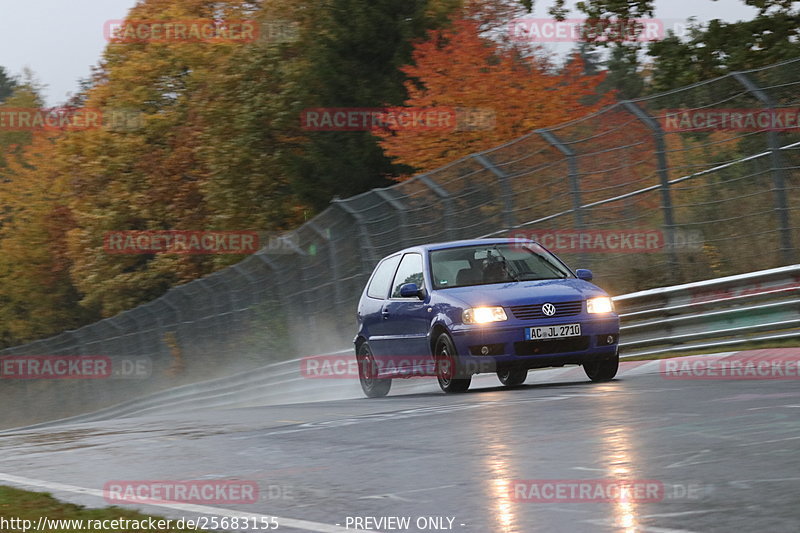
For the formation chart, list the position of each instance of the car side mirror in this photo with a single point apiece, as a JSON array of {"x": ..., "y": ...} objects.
[
  {"x": 584, "y": 274},
  {"x": 411, "y": 290}
]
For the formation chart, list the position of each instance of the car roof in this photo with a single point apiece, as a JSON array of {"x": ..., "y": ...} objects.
[{"x": 459, "y": 244}]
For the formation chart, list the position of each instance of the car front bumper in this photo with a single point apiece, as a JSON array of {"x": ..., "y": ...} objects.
[{"x": 507, "y": 347}]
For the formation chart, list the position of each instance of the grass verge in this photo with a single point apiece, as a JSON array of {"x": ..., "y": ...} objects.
[{"x": 20, "y": 508}]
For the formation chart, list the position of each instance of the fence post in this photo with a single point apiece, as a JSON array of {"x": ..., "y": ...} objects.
[
  {"x": 251, "y": 308},
  {"x": 447, "y": 200},
  {"x": 369, "y": 259},
  {"x": 574, "y": 179},
  {"x": 138, "y": 333},
  {"x": 225, "y": 314},
  {"x": 398, "y": 206},
  {"x": 158, "y": 329},
  {"x": 299, "y": 256},
  {"x": 285, "y": 302},
  {"x": 271, "y": 265},
  {"x": 572, "y": 166},
  {"x": 333, "y": 259},
  {"x": 174, "y": 299},
  {"x": 210, "y": 312},
  {"x": 80, "y": 344},
  {"x": 777, "y": 171},
  {"x": 663, "y": 173},
  {"x": 252, "y": 281},
  {"x": 299, "y": 253},
  {"x": 166, "y": 350},
  {"x": 505, "y": 187}
]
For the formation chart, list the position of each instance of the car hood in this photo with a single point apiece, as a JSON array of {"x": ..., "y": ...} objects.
[{"x": 524, "y": 292}]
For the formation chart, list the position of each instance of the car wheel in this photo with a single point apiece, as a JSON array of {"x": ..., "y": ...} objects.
[
  {"x": 447, "y": 366},
  {"x": 602, "y": 369},
  {"x": 367, "y": 370},
  {"x": 512, "y": 377}
]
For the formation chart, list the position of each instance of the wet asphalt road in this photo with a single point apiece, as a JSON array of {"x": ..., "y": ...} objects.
[{"x": 725, "y": 454}]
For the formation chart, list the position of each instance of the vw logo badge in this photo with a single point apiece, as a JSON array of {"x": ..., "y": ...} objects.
[{"x": 549, "y": 309}]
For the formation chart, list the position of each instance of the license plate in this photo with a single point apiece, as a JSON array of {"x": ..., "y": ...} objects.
[{"x": 552, "y": 332}]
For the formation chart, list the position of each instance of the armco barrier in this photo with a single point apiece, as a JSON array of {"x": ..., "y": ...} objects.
[
  {"x": 712, "y": 314},
  {"x": 726, "y": 202},
  {"x": 705, "y": 315}
]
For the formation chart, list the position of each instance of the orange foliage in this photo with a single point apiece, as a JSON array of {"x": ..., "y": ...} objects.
[{"x": 458, "y": 68}]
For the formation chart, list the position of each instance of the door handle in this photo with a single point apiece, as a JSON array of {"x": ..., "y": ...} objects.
[{"x": 385, "y": 313}]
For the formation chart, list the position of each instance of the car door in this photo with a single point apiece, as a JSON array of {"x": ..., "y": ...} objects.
[
  {"x": 407, "y": 319},
  {"x": 374, "y": 325}
]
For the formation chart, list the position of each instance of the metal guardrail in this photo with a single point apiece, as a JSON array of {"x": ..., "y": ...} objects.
[
  {"x": 711, "y": 314},
  {"x": 758, "y": 306}
]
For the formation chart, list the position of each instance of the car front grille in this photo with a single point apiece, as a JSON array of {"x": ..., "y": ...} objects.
[
  {"x": 574, "y": 344},
  {"x": 532, "y": 312}
]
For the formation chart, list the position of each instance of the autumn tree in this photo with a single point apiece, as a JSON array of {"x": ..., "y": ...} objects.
[
  {"x": 37, "y": 294},
  {"x": 459, "y": 68},
  {"x": 148, "y": 171},
  {"x": 208, "y": 135},
  {"x": 26, "y": 94}
]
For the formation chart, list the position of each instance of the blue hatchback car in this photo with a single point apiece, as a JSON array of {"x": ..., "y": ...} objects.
[{"x": 490, "y": 305}]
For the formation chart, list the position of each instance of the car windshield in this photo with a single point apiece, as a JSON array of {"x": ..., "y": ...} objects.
[{"x": 493, "y": 263}]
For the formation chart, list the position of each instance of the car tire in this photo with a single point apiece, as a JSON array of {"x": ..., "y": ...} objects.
[
  {"x": 512, "y": 377},
  {"x": 447, "y": 366},
  {"x": 602, "y": 369},
  {"x": 372, "y": 387}
]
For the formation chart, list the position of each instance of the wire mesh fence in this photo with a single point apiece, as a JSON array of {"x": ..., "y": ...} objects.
[{"x": 710, "y": 170}]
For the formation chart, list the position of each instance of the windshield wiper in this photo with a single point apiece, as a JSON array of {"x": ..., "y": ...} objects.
[
  {"x": 506, "y": 265},
  {"x": 550, "y": 266}
]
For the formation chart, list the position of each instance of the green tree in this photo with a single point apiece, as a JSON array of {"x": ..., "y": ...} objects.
[
  {"x": 719, "y": 47},
  {"x": 623, "y": 60},
  {"x": 353, "y": 53},
  {"x": 7, "y": 84},
  {"x": 24, "y": 93}
]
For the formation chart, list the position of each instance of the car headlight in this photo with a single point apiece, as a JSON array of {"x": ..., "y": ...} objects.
[
  {"x": 600, "y": 305},
  {"x": 483, "y": 315}
]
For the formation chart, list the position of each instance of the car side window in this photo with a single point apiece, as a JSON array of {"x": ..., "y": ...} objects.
[
  {"x": 410, "y": 271},
  {"x": 379, "y": 286}
]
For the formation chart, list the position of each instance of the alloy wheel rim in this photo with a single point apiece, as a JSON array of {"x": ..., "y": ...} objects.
[
  {"x": 444, "y": 355},
  {"x": 367, "y": 367}
]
